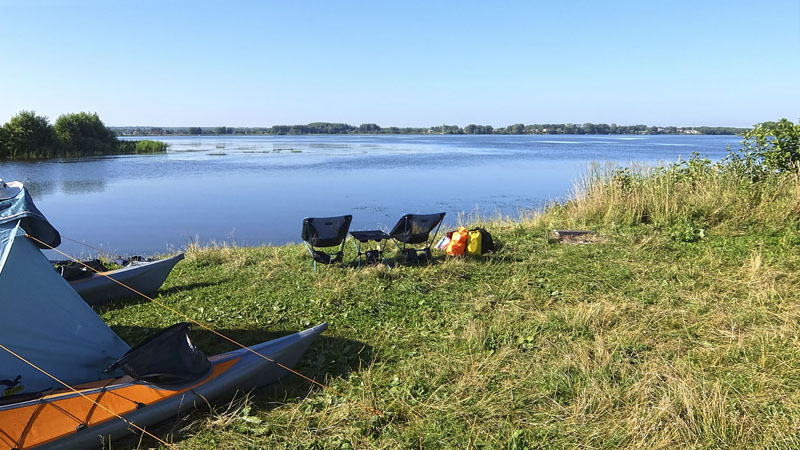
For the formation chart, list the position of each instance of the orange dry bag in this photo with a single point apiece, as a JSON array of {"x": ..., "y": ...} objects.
[{"x": 458, "y": 243}]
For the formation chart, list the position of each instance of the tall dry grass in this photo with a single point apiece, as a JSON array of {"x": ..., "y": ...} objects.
[{"x": 693, "y": 192}]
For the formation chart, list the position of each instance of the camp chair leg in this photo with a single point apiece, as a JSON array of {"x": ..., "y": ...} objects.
[
  {"x": 428, "y": 254},
  {"x": 382, "y": 249},
  {"x": 360, "y": 255},
  {"x": 358, "y": 252},
  {"x": 341, "y": 250},
  {"x": 311, "y": 252}
]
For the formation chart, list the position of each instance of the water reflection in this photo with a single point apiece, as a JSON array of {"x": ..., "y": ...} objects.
[
  {"x": 40, "y": 188},
  {"x": 74, "y": 187}
]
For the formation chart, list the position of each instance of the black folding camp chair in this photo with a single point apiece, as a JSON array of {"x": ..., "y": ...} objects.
[
  {"x": 413, "y": 230},
  {"x": 326, "y": 232}
]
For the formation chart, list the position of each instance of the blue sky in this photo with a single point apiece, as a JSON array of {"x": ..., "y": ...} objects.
[{"x": 258, "y": 63}]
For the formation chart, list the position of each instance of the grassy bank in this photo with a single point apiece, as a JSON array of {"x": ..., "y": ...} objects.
[{"x": 679, "y": 328}]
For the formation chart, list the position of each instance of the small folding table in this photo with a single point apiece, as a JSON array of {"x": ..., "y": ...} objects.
[{"x": 377, "y": 236}]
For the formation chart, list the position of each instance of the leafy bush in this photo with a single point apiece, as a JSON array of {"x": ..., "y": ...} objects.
[
  {"x": 27, "y": 135},
  {"x": 687, "y": 232},
  {"x": 772, "y": 146},
  {"x": 84, "y": 134}
]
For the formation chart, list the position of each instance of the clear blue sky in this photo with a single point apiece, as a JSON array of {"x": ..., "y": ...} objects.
[{"x": 259, "y": 63}]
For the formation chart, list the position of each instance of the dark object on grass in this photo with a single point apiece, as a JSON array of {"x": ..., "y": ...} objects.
[
  {"x": 413, "y": 230},
  {"x": 371, "y": 256},
  {"x": 414, "y": 256},
  {"x": 326, "y": 232},
  {"x": 575, "y": 236},
  {"x": 72, "y": 270}
]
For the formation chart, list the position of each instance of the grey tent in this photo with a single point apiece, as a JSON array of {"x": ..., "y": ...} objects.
[
  {"x": 45, "y": 321},
  {"x": 42, "y": 318}
]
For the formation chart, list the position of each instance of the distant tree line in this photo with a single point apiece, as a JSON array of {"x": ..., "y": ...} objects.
[
  {"x": 30, "y": 136},
  {"x": 371, "y": 128}
]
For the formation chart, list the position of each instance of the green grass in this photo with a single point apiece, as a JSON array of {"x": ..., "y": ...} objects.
[
  {"x": 141, "y": 146},
  {"x": 660, "y": 336}
]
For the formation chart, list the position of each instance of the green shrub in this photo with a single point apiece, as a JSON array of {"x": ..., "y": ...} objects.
[
  {"x": 84, "y": 134},
  {"x": 774, "y": 146},
  {"x": 28, "y": 136}
]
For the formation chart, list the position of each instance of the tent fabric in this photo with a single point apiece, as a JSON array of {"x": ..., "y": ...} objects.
[
  {"x": 20, "y": 208},
  {"x": 41, "y": 317}
]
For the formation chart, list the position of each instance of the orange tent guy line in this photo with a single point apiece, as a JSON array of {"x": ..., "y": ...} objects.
[
  {"x": 95, "y": 403},
  {"x": 89, "y": 246},
  {"x": 205, "y": 327},
  {"x": 186, "y": 317}
]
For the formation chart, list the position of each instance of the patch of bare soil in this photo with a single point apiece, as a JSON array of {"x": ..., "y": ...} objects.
[{"x": 577, "y": 237}]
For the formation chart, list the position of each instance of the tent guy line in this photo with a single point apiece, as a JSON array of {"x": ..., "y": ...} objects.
[
  {"x": 205, "y": 327},
  {"x": 99, "y": 250},
  {"x": 54, "y": 354},
  {"x": 130, "y": 423}
]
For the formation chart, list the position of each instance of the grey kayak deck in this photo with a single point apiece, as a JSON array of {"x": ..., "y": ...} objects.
[
  {"x": 145, "y": 277},
  {"x": 240, "y": 370}
]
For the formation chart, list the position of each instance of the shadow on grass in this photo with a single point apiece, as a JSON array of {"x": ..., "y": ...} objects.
[
  {"x": 328, "y": 357},
  {"x": 136, "y": 299},
  {"x": 187, "y": 287}
]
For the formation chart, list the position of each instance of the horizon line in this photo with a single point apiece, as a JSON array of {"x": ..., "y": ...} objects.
[{"x": 430, "y": 126}]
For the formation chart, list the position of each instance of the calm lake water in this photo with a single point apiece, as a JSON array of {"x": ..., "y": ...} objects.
[{"x": 256, "y": 190}]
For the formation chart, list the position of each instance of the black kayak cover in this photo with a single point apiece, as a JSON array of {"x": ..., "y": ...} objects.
[{"x": 165, "y": 359}]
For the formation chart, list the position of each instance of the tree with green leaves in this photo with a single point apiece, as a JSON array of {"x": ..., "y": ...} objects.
[
  {"x": 517, "y": 128},
  {"x": 4, "y": 150},
  {"x": 27, "y": 135},
  {"x": 369, "y": 128},
  {"x": 84, "y": 134},
  {"x": 775, "y": 144}
]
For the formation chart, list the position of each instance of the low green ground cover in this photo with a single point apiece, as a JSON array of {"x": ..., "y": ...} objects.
[
  {"x": 142, "y": 146},
  {"x": 678, "y": 328}
]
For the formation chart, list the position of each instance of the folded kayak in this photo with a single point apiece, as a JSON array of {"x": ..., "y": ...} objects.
[
  {"x": 68, "y": 381},
  {"x": 64, "y": 419},
  {"x": 145, "y": 277}
]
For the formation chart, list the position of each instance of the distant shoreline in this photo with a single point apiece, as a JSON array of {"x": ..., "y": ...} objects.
[
  {"x": 411, "y": 134},
  {"x": 329, "y": 128}
]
